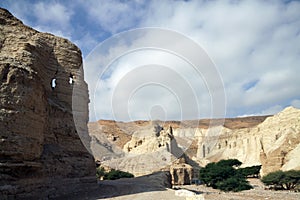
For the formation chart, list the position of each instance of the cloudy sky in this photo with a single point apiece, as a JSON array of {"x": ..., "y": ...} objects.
[{"x": 250, "y": 53}]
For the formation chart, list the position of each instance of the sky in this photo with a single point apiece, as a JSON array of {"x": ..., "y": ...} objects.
[{"x": 242, "y": 58}]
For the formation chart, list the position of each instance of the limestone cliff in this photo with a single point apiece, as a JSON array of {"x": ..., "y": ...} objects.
[
  {"x": 150, "y": 149},
  {"x": 270, "y": 141},
  {"x": 41, "y": 154},
  {"x": 110, "y": 137},
  {"x": 275, "y": 143}
]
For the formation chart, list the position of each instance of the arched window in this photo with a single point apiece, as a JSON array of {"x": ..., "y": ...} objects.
[
  {"x": 53, "y": 80},
  {"x": 53, "y": 83},
  {"x": 71, "y": 79}
]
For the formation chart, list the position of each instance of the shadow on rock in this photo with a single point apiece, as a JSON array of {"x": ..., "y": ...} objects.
[{"x": 158, "y": 181}]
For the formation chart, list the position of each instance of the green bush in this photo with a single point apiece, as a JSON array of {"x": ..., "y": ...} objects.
[
  {"x": 288, "y": 180},
  {"x": 117, "y": 174},
  {"x": 113, "y": 174},
  {"x": 250, "y": 171},
  {"x": 100, "y": 172},
  {"x": 213, "y": 173},
  {"x": 234, "y": 183},
  {"x": 230, "y": 163},
  {"x": 222, "y": 175}
]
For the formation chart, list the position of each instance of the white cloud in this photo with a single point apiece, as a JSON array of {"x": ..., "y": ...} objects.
[
  {"x": 250, "y": 41},
  {"x": 49, "y": 16},
  {"x": 254, "y": 44},
  {"x": 114, "y": 16},
  {"x": 53, "y": 13},
  {"x": 87, "y": 41},
  {"x": 163, "y": 65},
  {"x": 269, "y": 111}
]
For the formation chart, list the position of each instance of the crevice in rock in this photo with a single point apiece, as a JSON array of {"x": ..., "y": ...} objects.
[{"x": 5, "y": 72}]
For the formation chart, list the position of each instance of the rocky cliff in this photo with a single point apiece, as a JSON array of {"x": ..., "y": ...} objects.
[
  {"x": 150, "y": 149},
  {"x": 274, "y": 143},
  {"x": 41, "y": 154},
  {"x": 270, "y": 141}
]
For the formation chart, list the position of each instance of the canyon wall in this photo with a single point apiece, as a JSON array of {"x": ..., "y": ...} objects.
[
  {"x": 275, "y": 143},
  {"x": 270, "y": 141},
  {"x": 41, "y": 154}
]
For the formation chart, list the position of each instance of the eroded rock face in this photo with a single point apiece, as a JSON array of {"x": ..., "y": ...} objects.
[
  {"x": 181, "y": 172},
  {"x": 150, "y": 149},
  {"x": 147, "y": 140},
  {"x": 274, "y": 143},
  {"x": 41, "y": 153}
]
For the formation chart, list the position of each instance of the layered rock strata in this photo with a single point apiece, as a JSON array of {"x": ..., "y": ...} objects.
[
  {"x": 41, "y": 154},
  {"x": 181, "y": 172},
  {"x": 270, "y": 141},
  {"x": 274, "y": 144}
]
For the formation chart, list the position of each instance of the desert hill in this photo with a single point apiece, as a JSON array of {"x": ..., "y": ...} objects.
[
  {"x": 119, "y": 133},
  {"x": 270, "y": 141}
]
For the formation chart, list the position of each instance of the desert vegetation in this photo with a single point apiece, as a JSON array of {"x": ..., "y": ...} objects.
[
  {"x": 112, "y": 174},
  {"x": 226, "y": 176},
  {"x": 280, "y": 180}
]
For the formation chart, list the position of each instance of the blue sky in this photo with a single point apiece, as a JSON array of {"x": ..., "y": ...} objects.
[{"x": 254, "y": 44}]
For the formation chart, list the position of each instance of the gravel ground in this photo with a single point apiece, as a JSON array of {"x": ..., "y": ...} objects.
[
  {"x": 139, "y": 189},
  {"x": 258, "y": 193}
]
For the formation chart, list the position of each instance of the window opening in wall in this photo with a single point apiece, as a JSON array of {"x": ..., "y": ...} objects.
[
  {"x": 53, "y": 83},
  {"x": 71, "y": 79},
  {"x": 53, "y": 80}
]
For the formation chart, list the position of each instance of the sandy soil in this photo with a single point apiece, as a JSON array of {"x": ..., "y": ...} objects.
[
  {"x": 210, "y": 194},
  {"x": 258, "y": 193},
  {"x": 151, "y": 187}
]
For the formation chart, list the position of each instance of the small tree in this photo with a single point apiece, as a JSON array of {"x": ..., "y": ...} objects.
[
  {"x": 230, "y": 162},
  {"x": 252, "y": 171},
  {"x": 234, "y": 183},
  {"x": 222, "y": 175},
  {"x": 288, "y": 180},
  {"x": 214, "y": 172},
  {"x": 117, "y": 174},
  {"x": 292, "y": 179}
]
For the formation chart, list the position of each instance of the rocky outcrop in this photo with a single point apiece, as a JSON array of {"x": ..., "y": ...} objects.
[
  {"x": 270, "y": 141},
  {"x": 41, "y": 154},
  {"x": 148, "y": 151},
  {"x": 104, "y": 146},
  {"x": 181, "y": 172},
  {"x": 274, "y": 143},
  {"x": 109, "y": 137},
  {"x": 147, "y": 141}
]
